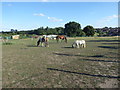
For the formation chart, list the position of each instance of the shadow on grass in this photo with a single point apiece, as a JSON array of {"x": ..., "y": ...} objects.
[
  {"x": 107, "y": 76},
  {"x": 101, "y": 60},
  {"x": 97, "y": 56},
  {"x": 109, "y": 47},
  {"x": 23, "y": 48},
  {"x": 86, "y": 59},
  {"x": 32, "y": 46},
  {"x": 68, "y": 47},
  {"x": 111, "y": 43},
  {"x": 63, "y": 54},
  {"x": 104, "y": 41}
]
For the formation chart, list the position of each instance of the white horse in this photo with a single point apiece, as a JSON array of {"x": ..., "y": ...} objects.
[
  {"x": 79, "y": 43},
  {"x": 51, "y": 36}
]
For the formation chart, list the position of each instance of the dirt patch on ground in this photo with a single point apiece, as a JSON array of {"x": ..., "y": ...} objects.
[{"x": 112, "y": 83}]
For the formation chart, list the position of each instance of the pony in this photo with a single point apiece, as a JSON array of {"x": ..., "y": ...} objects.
[
  {"x": 35, "y": 36},
  {"x": 62, "y": 37},
  {"x": 79, "y": 43},
  {"x": 42, "y": 40}
]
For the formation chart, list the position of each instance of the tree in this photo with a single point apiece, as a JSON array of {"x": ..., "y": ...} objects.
[
  {"x": 46, "y": 29},
  {"x": 72, "y": 29},
  {"x": 37, "y": 32},
  {"x": 14, "y": 31},
  {"x": 51, "y": 31},
  {"x": 89, "y": 30},
  {"x": 60, "y": 30}
]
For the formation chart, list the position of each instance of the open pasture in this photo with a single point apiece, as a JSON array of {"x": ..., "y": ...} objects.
[{"x": 60, "y": 66}]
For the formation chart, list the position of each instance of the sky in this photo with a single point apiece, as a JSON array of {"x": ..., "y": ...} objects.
[{"x": 32, "y": 15}]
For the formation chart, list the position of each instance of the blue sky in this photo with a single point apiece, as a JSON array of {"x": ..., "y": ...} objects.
[{"x": 32, "y": 15}]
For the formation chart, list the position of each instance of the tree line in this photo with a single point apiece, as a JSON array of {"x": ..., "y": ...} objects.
[{"x": 71, "y": 29}]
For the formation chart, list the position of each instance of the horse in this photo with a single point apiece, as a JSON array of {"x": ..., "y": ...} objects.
[
  {"x": 62, "y": 37},
  {"x": 43, "y": 40},
  {"x": 34, "y": 37},
  {"x": 79, "y": 43}
]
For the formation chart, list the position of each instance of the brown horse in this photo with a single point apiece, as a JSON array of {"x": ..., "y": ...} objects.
[
  {"x": 35, "y": 36},
  {"x": 62, "y": 37}
]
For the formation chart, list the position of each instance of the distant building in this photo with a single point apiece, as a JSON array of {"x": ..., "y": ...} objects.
[{"x": 109, "y": 31}]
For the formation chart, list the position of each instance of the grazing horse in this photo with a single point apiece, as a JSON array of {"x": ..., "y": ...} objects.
[
  {"x": 62, "y": 37},
  {"x": 79, "y": 43},
  {"x": 43, "y": 40},
  {"x": 35, "y": 36},
  {"x": 52, "y": 37}
]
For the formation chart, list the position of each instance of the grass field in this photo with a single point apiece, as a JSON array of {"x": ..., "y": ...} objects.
[{"x": 60, "y": 66}]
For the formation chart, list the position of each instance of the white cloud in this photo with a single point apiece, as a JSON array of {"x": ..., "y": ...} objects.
[
  {"x": 41, "y": 14},
  {"x": 108, "y": 21},
  {"x": 109, "y": 18},
  {"x": 53, "y": 19}
]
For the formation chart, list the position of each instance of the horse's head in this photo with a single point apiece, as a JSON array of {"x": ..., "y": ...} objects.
[{"x": 46, "y": 39}]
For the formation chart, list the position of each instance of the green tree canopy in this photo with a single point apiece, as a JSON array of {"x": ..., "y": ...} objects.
[
  {"x": 60, "y": 30},
  {"x": 89, "y": 30},
  {"x": 72, "y": 29}
]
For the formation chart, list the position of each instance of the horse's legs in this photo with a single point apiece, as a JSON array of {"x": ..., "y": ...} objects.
[
  {"x": 65, "y": 39},
  {"x": 38, "y": 43},
  {"x": 46, "y": 44},
  {"x": 42, "y": 44},
  {"x": 57, "y": 40},
  {"x": 84, "y": 45},
  {"x": 62, "y": 40},
  {"x": 78, "y": 45}
]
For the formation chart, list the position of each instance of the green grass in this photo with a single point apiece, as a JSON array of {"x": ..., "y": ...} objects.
[{"x": 27, "y": 66}]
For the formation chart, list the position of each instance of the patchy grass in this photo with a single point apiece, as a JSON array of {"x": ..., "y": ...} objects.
[
  {"x": 7, "y": 43},
  {"x": 60, "y": 65}
]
